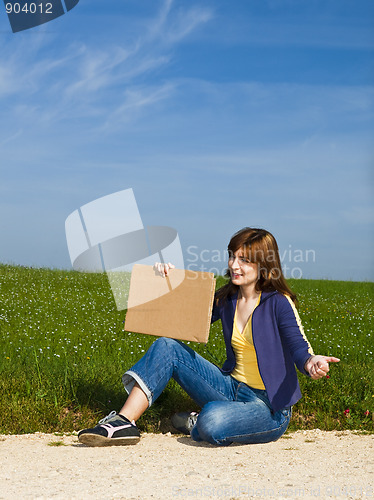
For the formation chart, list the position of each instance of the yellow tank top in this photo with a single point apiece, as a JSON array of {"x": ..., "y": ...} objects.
[{"x": 246, "y": 368}]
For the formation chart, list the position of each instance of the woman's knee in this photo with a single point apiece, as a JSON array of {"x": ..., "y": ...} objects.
[
  {"x": 166, "y": 349},
  {"x": 165, "y": 343},
  {"x": 176, "y": 347},
  {"x": 223, "y": 423}
]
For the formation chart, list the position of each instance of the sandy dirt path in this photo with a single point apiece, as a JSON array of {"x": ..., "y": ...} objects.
[{"x": 301, "y": 465}]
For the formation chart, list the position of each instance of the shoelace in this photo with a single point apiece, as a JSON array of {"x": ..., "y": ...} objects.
[
  {"x": 111, "y": 414},
  {"x": 192, "y": 419}
]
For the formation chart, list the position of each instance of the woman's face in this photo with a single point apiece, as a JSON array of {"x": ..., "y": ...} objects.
[{"x": 242, "y": 271}]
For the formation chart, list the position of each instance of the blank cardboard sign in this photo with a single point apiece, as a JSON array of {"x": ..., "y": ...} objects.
[{"x": 178, "y": 306}]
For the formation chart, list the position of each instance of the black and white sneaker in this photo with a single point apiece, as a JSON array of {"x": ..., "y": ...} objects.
[
  {"x": 183, "y": 422},
  {"x": 114, "y": 429}
]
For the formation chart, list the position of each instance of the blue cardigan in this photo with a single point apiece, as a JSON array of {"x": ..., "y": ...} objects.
[{"x": 279, "y": 341}]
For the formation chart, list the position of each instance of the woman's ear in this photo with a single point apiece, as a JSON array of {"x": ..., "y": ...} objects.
[{"x": 263, "y": 273}]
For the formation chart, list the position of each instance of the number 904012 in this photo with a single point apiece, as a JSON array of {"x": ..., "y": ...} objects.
[{"x": 28, "y": 8}]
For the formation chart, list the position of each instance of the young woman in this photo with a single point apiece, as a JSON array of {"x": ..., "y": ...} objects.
[{"x": 249, "y": 399}]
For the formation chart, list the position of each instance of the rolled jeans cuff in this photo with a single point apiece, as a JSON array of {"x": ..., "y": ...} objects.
[{"x": 130, "y": 378}]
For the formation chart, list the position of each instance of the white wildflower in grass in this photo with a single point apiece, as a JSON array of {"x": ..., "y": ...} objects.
[{"x": 61, "y": 333}]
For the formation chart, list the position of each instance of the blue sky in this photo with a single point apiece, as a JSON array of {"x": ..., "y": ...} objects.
[{"x": 218, "y": 114}]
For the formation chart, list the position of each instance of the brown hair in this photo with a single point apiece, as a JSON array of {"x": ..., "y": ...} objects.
[{"x": 260, "y": 247}]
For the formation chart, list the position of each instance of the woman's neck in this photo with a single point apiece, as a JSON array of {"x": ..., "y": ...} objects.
[{"x": 248, "y": 293}]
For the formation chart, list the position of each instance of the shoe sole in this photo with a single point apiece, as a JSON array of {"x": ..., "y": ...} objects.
[{"x": 97, "y": 440}]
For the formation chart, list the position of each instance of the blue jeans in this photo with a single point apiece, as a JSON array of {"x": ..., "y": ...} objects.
[{"x": 232, "y": 412}]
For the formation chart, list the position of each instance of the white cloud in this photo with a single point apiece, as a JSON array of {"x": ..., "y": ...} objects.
[
  {"x": 175, "y": 24},
  {"x": 133, "y": 101},
  {"x": 95, "y": 70},
  {"x": 11, "y": 138},
  {"x": 83, "y": 81},
  {"x": 185, "y": 22}
]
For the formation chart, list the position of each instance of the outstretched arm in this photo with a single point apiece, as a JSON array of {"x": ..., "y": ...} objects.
[{"x": 318, "y": 366}]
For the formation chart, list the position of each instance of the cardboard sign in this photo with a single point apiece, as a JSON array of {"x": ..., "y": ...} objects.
[{"x": 178, "y": 306}]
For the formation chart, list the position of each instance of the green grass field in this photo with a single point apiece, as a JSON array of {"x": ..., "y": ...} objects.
[{"x": 63, "y": 351}]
